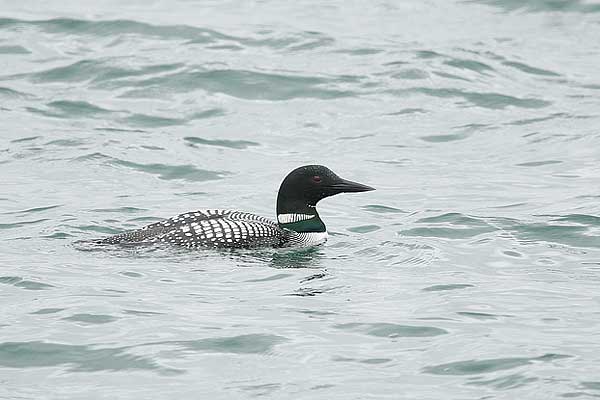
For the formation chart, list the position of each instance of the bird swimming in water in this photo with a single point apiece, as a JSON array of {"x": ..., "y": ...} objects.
[{"x": 298, "y": 223}]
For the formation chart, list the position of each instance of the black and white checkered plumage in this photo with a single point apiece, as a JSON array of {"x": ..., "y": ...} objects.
[
  {"x": 208, "y": 228},
  {"x": 298, "y": 223}
]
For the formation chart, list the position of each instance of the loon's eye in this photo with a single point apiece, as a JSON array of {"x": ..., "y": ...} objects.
[{"x": 316, "y": 179}]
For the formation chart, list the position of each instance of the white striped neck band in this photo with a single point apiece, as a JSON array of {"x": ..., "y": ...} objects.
[{"x": 291, "y": 218}]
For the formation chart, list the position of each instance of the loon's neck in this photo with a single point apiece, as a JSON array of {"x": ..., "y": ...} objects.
[{"x": 299, "y": 217}]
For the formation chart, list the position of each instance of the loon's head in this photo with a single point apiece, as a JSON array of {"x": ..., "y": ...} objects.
[{"x": 302, "y": 189}]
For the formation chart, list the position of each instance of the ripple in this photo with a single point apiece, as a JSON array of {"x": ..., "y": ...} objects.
[
  {"x": 14, "y": 50},
  {"x": 192, "y": 35},
  {"x": 319, "y": 41},
  {"x": 364, "y": 228},
  {"x": 243, "y": 84},
  {"x": 274, "y": 277},
  {"x": 381, "y": 209},
  {"x": 360, "y": 51},
  {"x": 145, "y": 219},
  {"x": 572, "y": 230},
  {"x": 57, "y": 235},
  {"x": 471, "y": 65},
  {"x": 538, "y": 163},
  {"x": 445, "y": 138},
  {"x": 451, "y": 76},
  {"x": 320, "y": 275},
  {"x": 400, "y": 253},
  {"x": 115, "y": 27},
  {"x": 169, "y": 172},
  {"x": 591, "y": 86},
  {"x": 408, "y": 111},
  {"x": 514, "y": 205},
  {"x": 452, "y": 286},
  {"x": 529, "y": 69},
  {"x": 119, "y": 210},
  {"x": 474, "y": 367},
  {"x": 96, "y": 228},
  {"x": 152, "y": 121},
  {"x": 243, "y": 344},
  {"x": 580, "y": 235},
  {"x": 25, "y": 139},
  {"x": 210, "y": 113},
  {"x": 310, "y": 292},
  {"x": 427, "y": 54},
  {"x": 504, "y": 382},
  {"x": 318, "y": 313},
  {"x": 91, "y": 319},
  {"x": 120, "y": 130},
  {"x": 372, "y": 361},
  {"x": 477, "y": 315},
  {"x": 44, "y": 311},
  {"x": 97, "y": 70},
  {"x": 108, "y": 76},
  {"x": 450, "y": 226},
  {"x": 411, "y": 74},
  {"x": 591, "y": 385},
  {"x": 8, "y": 93},
  {"x": 102, "y": 72},
  {"x": 142, "y": 313},
  {"x": 33, "y": 210},
  {"x": 231, "y": 47},
  {"x": 265, "y": 389},
  {"x": 529, "y": 121},
  {"x": 581, "y": 219},
  {"x": 543, "y": 5},
  {"x": 131, "y": 274},
  {"x": 384, "y": 329},
  {"x": 24, "y": 284},
  {"x": 66, "y": 142},
  {"x": 188, "y": 172},
  {"x": 78, "y": 358},
  {"x": 357, "y": 137},
  {"x": 231, "y": 144},
  {"x": 296, "y": 258},
  {"x": 72, "y": 109},
  {"x": 490, "y": 100}
]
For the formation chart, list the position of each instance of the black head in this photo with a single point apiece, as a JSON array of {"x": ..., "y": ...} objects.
[{"x": 305, "y": 186}]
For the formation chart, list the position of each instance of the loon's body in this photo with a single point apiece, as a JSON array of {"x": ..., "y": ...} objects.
[
  {"x": 218, "y": 228},
  {"x": 298, "y": 223}
]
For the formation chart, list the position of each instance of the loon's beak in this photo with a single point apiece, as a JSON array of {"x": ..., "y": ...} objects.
[{"x": 345, "y": 186}]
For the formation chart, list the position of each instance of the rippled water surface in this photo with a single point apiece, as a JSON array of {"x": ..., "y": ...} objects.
[{"x": 472, "y": 272}]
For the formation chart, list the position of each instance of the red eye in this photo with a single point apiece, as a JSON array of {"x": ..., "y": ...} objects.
[{"x": 316, "y": 179}]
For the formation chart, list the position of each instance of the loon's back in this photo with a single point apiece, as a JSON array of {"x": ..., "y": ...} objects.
[{"x": 209, "y": 228}]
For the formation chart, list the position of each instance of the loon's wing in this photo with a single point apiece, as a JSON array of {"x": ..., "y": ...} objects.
[{"x": 207, "y": 228}]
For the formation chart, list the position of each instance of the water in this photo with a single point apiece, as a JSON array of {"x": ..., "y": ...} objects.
[{"x": 472, "y": 272}]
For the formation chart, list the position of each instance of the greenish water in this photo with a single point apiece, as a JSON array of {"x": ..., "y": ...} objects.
[{"x": 472, "y": 272}]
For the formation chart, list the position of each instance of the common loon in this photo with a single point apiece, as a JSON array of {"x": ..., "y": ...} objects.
[{"x": 298, "y": 223}]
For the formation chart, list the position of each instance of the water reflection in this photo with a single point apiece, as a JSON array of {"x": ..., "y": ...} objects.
[{"x": 310, "y": 257}]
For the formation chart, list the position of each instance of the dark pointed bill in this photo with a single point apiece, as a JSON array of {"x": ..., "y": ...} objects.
[{"x": 346, "y": 186}]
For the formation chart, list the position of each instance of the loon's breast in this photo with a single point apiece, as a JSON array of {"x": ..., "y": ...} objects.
[
  {"x": 305, "y": 238},
  {"x": 208, "y": 228}
]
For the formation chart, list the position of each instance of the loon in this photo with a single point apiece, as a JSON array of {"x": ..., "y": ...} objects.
[{"x": 298, "y": 223}]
